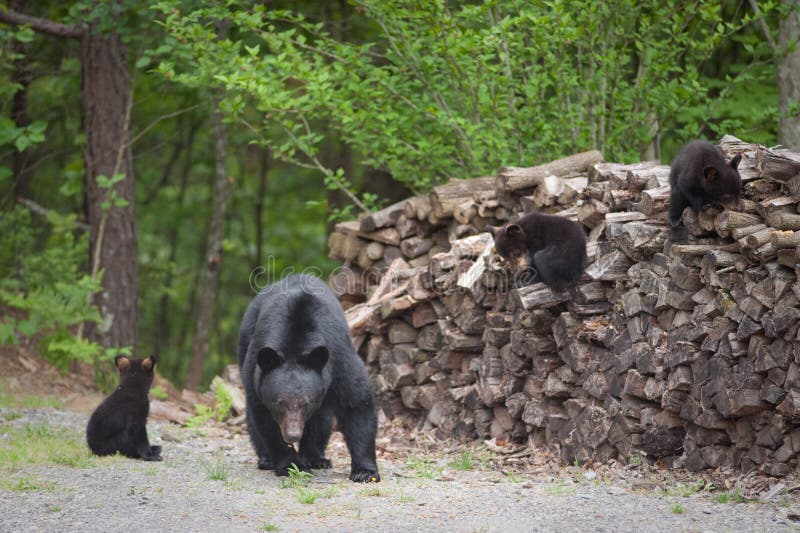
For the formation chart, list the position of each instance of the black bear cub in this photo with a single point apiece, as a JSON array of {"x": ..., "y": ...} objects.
[
  {"x": 119, "y": 424},
  {"x": 699, "y": 176},
  {"x": 546, "y": 248},
  {"x": 299, "y": 370}
]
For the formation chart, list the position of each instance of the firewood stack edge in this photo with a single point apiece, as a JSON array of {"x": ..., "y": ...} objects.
[{"x": 687, "y": 353}]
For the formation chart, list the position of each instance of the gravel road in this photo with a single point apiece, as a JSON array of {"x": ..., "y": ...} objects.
[{"x": 208, "y": 482}]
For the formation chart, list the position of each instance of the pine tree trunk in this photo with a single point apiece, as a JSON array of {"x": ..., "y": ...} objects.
[
  {"x": 210, "y": 283},
  {"x": 105, "y": 94}
]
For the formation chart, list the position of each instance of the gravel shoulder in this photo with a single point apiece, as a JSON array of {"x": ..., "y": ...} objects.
[{"x": 208, "y": 482}]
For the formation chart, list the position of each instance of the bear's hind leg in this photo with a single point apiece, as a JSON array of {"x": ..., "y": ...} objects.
[{"x": 315, "y": 439}]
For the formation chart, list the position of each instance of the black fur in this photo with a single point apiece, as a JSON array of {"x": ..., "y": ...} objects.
[
  {"x": 546, "y": 248},
  {"x": 699, "y": 176},
  {"x": 119, "y": 424},
  {"x": 299, "y": 370}
]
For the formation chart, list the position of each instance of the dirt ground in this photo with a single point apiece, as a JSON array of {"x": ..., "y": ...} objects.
[{"x": 208, "y": 482}]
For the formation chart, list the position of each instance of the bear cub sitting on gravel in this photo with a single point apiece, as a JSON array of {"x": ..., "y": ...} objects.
[
  {"x": 119, "y": 424},
  {"x": 299, "y": 370},
  {"x": 541, "y": 247},
  {"x": 699, "y": 176}
]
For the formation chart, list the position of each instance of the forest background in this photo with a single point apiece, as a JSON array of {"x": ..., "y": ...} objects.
[{"x": 154, "y": 155}]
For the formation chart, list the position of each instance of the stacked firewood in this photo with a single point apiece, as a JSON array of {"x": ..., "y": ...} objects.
[{"x": 680, "y": 347}]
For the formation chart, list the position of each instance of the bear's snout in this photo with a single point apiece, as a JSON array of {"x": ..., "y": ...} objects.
[{"x": 292, "y": 428}]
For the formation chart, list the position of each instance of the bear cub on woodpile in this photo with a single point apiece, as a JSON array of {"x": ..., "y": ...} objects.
[
  {"x": 546, "y": 248},
  {"x": 119, "y": 424},
  {"x": 699, "y": 176},
  {"x": 300, "y": 369}
]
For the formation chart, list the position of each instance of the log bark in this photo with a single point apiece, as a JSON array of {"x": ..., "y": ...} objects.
[{"x": 513, "y": 178}]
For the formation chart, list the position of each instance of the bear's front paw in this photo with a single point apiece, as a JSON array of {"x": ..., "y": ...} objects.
[
  {"x": 152, "y": 458},
  {"x": 265, "y": 463},
  {"x": 155, "y": 450},
  {"x": 283, "y": 469},
  {"x": 319, "y": 462},
  {"x": 365, "y": 476}
]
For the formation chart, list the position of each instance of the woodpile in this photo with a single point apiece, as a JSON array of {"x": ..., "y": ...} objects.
[{"x": 682, "y": 350}]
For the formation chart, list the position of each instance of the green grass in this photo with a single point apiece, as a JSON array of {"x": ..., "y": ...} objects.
[
  {"x": 686, "y": 490},
  {"x": 725, "y": 497},
  {"x": 425, "y": 467},
  {"x": 38, "y": 444},
  {"x": 677, "y": 509},
  {"x": 371, "y": 491},
  {"x": 26, "y": 484},
  {"x": 54, "y": 508},
  {"x": 465, "y": 461},
  {"x": 562, "y": 486},
  {"x": 733, "y": 496},
  {"x": 27, "y": 401},
  {"x": 216, "y": 471},
  {"x": 513, "y": 477},
  {"x": 269, "y": 526},
  {"x": 158, "y": 393},
  {"x": 297, "y": 478},
  {"x": 405, "y": 498},
  {"x": 306, "y": 495},
  {"x": 11, "y": 416}
]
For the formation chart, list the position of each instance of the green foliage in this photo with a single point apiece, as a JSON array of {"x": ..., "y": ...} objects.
[
  {"x": 449, "y": 90},
  {"x": 426, "y": 467},
  {"x": 216, "y": 471},
  {"x": 678, "y": 509},
  {"x": 297, "y": 478},
  {"x": 220, "y": 411}
]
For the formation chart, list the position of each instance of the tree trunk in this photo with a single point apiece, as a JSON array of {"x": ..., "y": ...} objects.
[
  {"x": 264, "y": 165},
  {"x": 20, "y": 117},
  {"x": 162, "y": 336},
  {"x": 789, "y": 77},
  {"x": 208, "y": 291},
  {"x": 112, "y": 233}
]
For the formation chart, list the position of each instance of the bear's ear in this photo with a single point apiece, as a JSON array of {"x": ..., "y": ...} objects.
[
  {"x": 515, "y": 231},
  {"x": 149, "y": 363},
  {"x": 122, "y": 362},
  {"x": 492, "y": 229},
  {"x": 317, "y": 358},
  {"x": 268, "y": 359},
  {"x": 735, "y": 161},
  {"x": 710, "y": 173}
]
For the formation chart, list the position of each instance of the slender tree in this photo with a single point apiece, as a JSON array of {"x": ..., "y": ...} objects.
[
  {"x": 210, "y": 280},
  {"x": 106, "y": 116},
  {"x": 789, "y": 76}
]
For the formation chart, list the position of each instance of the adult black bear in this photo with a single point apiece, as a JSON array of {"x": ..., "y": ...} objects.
[
  {"x": 119, "y": 424},
  {"x": 299, "y": 370},
  {"x": 547, "y": 248},
  {"x": 700, "y": 175}
]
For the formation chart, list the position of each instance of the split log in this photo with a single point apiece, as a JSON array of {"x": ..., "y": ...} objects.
[
  {"x": 780, "y": 165},
  {"x": 784, "y": 239},
  {"x": 756, "y": 239},
  {"x": 727, "y": 221},
  {"x": 465, "y": 211},
  {"x": 513, "y": 178},
  {"x": 738, "y": 233},
  {"x": 538, "y": 295},
  {"x": 784, "y": 221},
  {"x": 622, "y": 216},
  {"x": 380, "y": 219},
  {"x": 446, "y": 198},
  {"x": 592, "y": 213},
  {"x": 654, "y": 200},
  {"x": 418, "y": 207}
]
